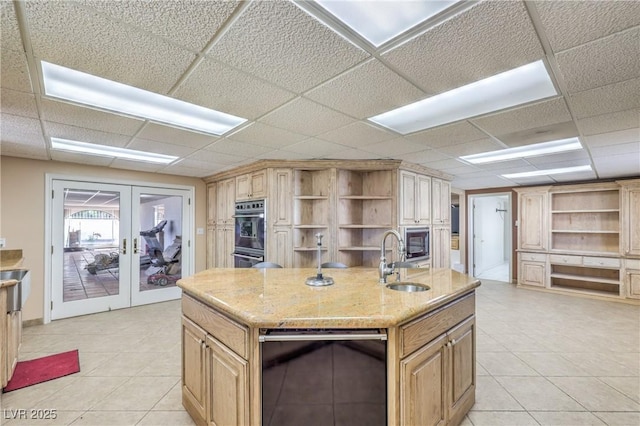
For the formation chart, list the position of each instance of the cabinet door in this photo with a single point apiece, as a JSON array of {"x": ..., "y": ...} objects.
[
  {"x": 280, "y": 246},
  {"x": 211, "y": 246},
  {"x": 633, "y": 284},
  {"x": 224, "y": 247},
  {"x": 243, "y": 187},
  {"x": 226, "y": 197},
  {"x": 194, "y": 386},
  {"x": 531, "y": 273},
  {"x": 462, "y": 362},
  {"x": 423, "y": 199},
  {"x": 258, "y": 184},
  {"x": 631, "y": 224},
  {"x": 408, "y": 183},
  {"x": 229, "y": 390},
  {"x": 280, "y": 203},
  {"x": 211, "y": 204},
  {"x": 532, "y": 208},
  {"x": 441, "y": 247},
  {"x": 422, "y": 385},
  {"x": 14, "y": 333},
  {"x": 441, "y": 201}
]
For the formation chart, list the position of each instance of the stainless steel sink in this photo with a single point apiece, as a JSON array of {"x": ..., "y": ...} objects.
[
  {"x": 16, "y": 294},
  {"x": 408, "y": 287}
]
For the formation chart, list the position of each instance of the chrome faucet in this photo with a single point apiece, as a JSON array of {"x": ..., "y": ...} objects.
[{"x": 383, "y": 268}]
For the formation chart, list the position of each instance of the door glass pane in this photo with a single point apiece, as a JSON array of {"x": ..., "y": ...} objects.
[
  {"x": 160, "y": 241},
  {"x": 91, "y": 244}
]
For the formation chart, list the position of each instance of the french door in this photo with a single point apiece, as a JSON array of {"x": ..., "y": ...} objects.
[{"x": 115, "y": 246}]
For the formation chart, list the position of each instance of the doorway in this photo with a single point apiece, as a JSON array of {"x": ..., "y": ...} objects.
[
  {"x": 490, "y": 231},
  {"x": 116, "y": 246}
]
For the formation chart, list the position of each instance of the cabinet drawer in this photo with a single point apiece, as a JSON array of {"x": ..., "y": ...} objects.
[
  {"x": 560, "y": 259},
  {"x": 420, "y": 331},
  {"x": 632, "y": 263},
  {"x": 605, "y": 262},
  {"x": 533, "y": 257},
  {"x": 229, "y": 332}
]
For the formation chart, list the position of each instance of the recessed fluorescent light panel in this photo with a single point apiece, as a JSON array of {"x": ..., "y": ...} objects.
[
  {"x": 110, "y": 151},
  {"x": 382, "y": 20},
  {"x": 548, "y": 172},
  {"x": 520, "y": 85},
  {"x": 86, "y": 89},
  {"x": 544, "y": 148}
]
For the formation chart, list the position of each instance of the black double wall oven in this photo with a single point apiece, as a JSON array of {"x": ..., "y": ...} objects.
[{"x": 250, "y": 233}]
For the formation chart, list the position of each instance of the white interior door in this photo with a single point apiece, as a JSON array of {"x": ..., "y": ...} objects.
[
  {"x": 108, "y": 251},
  {"x": 160, "y": 219},
  {"x": 91, "y": 246}
]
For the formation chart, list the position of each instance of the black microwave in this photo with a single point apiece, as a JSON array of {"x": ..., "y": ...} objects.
[{"x": 416, "y": 241}]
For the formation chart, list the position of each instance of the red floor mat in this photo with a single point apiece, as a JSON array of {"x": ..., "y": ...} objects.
[{"x": 40, "y": 370}]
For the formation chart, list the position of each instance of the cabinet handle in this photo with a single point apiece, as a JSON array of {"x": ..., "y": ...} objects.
[
  {"x": 452, "y": 342},
  {"x": 124, "y": 246}
]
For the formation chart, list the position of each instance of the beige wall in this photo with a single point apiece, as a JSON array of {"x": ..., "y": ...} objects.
[{"x": 22, "y": 216}]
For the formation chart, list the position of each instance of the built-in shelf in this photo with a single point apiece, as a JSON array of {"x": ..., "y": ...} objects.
[
  {"x": 365, "y": 197},
  {"x": 361, "y": 248},
  {"x": 309, "y": 248},
  {"x": 312, "y": 226},
  {"x": 310, "y": 197},
  {"x": 360, "y": 226},
  {"x": 587, "y": 279},
  {"x": 587, "y": 211},
  {"x": 572, "y": 231}
]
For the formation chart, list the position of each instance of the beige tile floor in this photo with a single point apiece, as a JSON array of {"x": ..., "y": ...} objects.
[{"x": 543, "y": 359}]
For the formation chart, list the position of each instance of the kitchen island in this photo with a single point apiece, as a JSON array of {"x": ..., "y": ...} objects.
[{"x": 430, "y": 337}]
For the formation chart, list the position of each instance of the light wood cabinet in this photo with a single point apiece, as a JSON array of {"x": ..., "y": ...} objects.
[
  {"x": 440, "y": 202},
  {"x": 215, "y": 379},
  {"x": 313, "y": 213},
  {"x": 251, "y": 185},
  {"x": 211, "y": 204},
  {"x": 279, "y": 212},
  {"x": 631, "y": 217},
  {"x": 532, "y": 218},
  {"x": 632, "y": 278},
  {"x": 225, "y": 201},
  {"x": 532, "y": 269},
  {"x": 415, "y": 198},
  {"x": 10, "y": 339},
  {"x": 437, "y": 381},
  {"x": 225, "y": 241},
  {"x": 441, "y": 246},
  {"x": 365, "y": 210}
]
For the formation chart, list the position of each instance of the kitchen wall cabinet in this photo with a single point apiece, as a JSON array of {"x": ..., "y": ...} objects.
[
  {"x": 415, "y": 199},
  {"x": 251, "y": 185},
  {"x": 279, "y": 217},
  {"x": 10, "y": 338},
  {"x": 225, "y": 202},
  {"x": 631, "y": 217},
  {"x": 437, "y": 381},
  {"x": 440, "y": 202},
  {"x": 441, "y": 246},
  {"x": 225, "y": 244},
  {"x": 580, "y": 238},
  {"x": 215, "y": 384}
]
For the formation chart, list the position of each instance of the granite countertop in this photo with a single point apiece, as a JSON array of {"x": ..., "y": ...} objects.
[
  {"x": 279, "y": 298},
  {"x": 10, "y": 259},
  {"x": 7, "y": 283}
]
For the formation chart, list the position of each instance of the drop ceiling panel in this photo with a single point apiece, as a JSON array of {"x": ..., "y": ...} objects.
[
  {"x": 160, "y": 147},
  {"x": 605, "y": 61},
  {"x": 617, "y": 165},
  {"x": 607, "y": 99},
  {"x": 394, "y": 147},
  {"x": 13, "y": 63},
  {"x": 190, "y": 23},
  {"x": 447, "y": 163},
  {"x": 540, "y": 134},
  {"x": 481, "y": 182},
  {"x": 358, "y": 134},
  {"x": 280, "y": 43},
  {"x": 353, "y": 154},
  {"x": 21, "y": 130},
  {"x": 610, "y": 122},
  {"x": 540, "y": 114},
  {"x": 217, "y": 157},
  {"x": 11, "y": 149},
  {"x": 175, "y": 136},
  {"x": 236, "y": 148},
  {"x": 366, "y": 90},
  {"x": 186, "y": 170},
  {"x": 18, "y": 103},
  {"x": 306, "y": 117},
  {"x": 469, "y": 148},
  {"x": 78, "y": 116},
  {"x": 267, "y": 136},
  {"x": 315, "y": 148},
  {"x": 613, "y": 138},
  {"x": 449, "y": 55},
  {"x": 632, "y": 149},
  {"x": 421, "y": 157},
  {"x": 575, "y": 177},
  {"x": 556, "y": 161},
  {"x": 279, "y": 154},
  {"x": 218, "y": 86},
  {"x": 196, "y": 163},
  {"x": 572, "y": 23},
  {"x": 88, "y": 160},
  {"x": 81, "y": 134},
  {"x": 139, "y": 166},
  {"x": 501, "y": 166},
  {"x": 452, "y": 134},
  {"x": 106, "y": 48}
]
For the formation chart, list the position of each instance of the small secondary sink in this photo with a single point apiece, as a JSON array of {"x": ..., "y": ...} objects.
[
  {"x": 17, "y": 294},
  {"x": 408, "y": 287}
]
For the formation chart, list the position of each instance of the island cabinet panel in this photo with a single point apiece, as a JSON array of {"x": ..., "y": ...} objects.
[
  {"x": 194, "y": 384},
  {"x": 229, "y": 332},
  {"x": 422, "y": 385},
  {"x": 437, "y": 368},
  {"x": 229, "y": 389}
]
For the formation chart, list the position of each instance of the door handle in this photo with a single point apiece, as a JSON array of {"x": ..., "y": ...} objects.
[
  {"x": 135, "y": 246},
  {"x": 124, "y": 246}
]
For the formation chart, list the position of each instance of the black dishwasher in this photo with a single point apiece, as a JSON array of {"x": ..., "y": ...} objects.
[{"x": 324, "y": 377}]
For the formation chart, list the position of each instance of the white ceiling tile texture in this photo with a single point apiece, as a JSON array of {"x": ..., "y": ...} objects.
[{"x": 308, "y": 91}]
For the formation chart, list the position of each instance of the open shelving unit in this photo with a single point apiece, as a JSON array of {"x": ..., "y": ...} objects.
[
  {"x": 311, "y": 215},
  {"x": 586, "y": 222},
  {"x": 366, "y": 208}
]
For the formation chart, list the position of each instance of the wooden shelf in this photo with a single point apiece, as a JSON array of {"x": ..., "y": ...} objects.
[
  {"x": 580, "y": 231},
  {"x": 309, "y": 248},
  {"x": 585, "y": 278},
  {"x": 586, "y": 211},
  {"x": 359, "y": 226},
  {"x": 361, "y": 248},
  {"x": 311, "y": 226},
  {"x": 365, "y": 197},
  {"x": 310, "y": 197}
]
